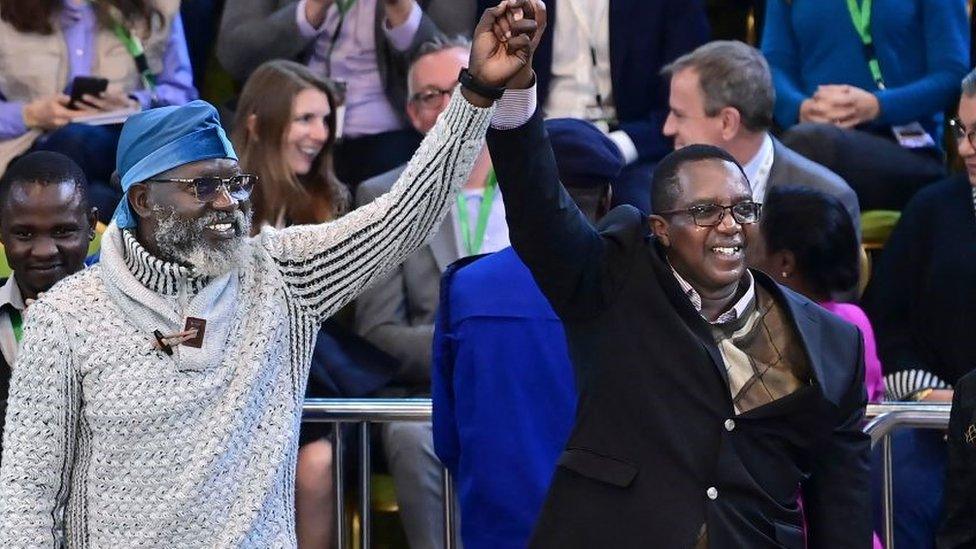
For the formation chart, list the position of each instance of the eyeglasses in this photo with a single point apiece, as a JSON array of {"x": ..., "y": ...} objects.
[
  {"x": 710, "y": 215},
  {"x": 430, "y": 98},
  {"x": 206, "y": 189},
  {"x": 960, "y": 131}
]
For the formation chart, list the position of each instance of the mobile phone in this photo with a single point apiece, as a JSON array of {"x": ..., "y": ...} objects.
[{"x": 86, "y": 85}]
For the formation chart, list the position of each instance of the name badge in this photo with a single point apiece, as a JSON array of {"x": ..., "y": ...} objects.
[{"x": 912, "y": 136}]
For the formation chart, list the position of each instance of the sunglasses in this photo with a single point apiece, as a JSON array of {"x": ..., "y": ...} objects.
[{"x": 207, "y": 189}]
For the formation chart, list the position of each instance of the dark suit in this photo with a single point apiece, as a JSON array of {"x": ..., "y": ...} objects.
[
  {"x": 652, "y": 438},
  {"x": 645, "y": 35},
  {"x": 959, "y": 524}
]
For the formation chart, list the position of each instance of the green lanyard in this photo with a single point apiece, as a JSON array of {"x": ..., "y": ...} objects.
[
  {"x": 134, "y": 46},
  {"x": 861, "y": 17},
  {"x": 344, "y": 6},
  {"x": 17, "y": 322},
  {"x": 473, "y": 245}
]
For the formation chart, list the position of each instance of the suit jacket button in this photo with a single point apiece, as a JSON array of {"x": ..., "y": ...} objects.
[
  {"x": 712, "y": 492},
  {"x": 729, "y": 424}
]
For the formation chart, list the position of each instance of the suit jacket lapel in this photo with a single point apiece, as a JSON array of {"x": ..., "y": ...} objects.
[
  {"x": 776, "y": 171},
  {"x": 807, "y": 324},
  {"x": 692, "y": 318}
]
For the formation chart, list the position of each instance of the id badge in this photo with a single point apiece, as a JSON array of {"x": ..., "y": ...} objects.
[{"x": 912, "y": 136}]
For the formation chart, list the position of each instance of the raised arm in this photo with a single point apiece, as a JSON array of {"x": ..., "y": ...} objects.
[
  {"x": 40, "y": 436},
  {"x": 330, "y": 264}
]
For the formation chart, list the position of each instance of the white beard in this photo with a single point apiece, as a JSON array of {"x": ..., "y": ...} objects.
[{"x": 182, "y": 239}]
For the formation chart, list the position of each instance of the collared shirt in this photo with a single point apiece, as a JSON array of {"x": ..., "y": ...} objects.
[
  {"x": 581, "y": 69},
  {"x": 757, "y": 169},
  {"x": 496, "y": 231},
  {"x": 351, "y": 58},
  {"x": 79, "y": 26},
  {"x": 10, "y": 299},
  {"x": 739, "y": 309}
]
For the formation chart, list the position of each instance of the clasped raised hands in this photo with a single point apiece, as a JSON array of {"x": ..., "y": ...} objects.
[{"x": 505, "y": 40}]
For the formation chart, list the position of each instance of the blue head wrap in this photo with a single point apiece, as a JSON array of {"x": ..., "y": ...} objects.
[
  {"x": 585, "y": 156},
  {"x": 161, "y": 139}
]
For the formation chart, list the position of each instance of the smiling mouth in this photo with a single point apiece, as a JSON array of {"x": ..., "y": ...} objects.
[
  {"x": 728, "y": 251},
  {"x": 225, "y": 229}
]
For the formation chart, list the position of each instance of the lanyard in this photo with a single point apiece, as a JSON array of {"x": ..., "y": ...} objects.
[
  {"x": 861, "y": 17},
  {"x": 134, "y": 46},
  {"x": 344, "y": 5},
  {"x": 17, "y": 322},
  {"x": 473, "y": 242}
]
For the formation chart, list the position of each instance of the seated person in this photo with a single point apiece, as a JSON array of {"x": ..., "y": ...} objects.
[
  {"x": 45, "y": 45},
  {"x": 808, "y": 244},
  {"x": 722, "y": 94},
  {"x": 600, "y": 63},
  {"x": 920, "y": 300},
  {"x": 364, "y": 44},
  {"x": 284, "y": 131},
  {"x": 872, "y": 114},
  {"x": 501, "y": 365},
  {"x": 46, "y": 224}
]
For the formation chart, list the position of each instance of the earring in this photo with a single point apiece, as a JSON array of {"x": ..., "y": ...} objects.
[{"x": 786, "y": 274}]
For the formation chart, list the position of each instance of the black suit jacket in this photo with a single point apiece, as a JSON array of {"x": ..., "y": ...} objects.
[
  {"x": 959, "y": 523},
  {"x": 651, "y": 434},
  {"x": 645, "y": 35}
]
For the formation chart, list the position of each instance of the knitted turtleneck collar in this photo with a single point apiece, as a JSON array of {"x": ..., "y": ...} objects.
[
  {"x": 160, "y": 295},
  {"x": 158, "y": 275}
]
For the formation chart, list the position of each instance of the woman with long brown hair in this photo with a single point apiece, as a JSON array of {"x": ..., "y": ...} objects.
[
  {"x": 284, "y": 131},
  {"x": 137, "y": 45}
]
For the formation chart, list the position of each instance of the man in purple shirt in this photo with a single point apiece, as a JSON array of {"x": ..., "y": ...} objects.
[{"x": 92, "y": 147}]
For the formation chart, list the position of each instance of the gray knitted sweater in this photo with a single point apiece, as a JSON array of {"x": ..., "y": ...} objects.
[{"x": 111, "y": 443}]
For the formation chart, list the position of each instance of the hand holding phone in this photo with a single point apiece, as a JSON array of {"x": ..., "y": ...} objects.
[
  {"x": 48, "y": 113},
  {"x": 86, "y": 85}
]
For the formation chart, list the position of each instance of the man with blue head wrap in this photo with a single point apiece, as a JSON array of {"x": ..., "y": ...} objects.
[{"x": 157, "y": 396}]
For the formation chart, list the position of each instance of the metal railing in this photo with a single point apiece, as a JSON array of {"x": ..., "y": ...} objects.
[
  {"x": 882, "y": 419},
  {"x": 364, "y": 412}
]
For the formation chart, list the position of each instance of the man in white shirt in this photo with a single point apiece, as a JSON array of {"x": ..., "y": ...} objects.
[{"x": 722, "y": 94}]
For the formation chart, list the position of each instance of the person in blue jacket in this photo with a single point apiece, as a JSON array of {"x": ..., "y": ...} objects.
[
  {"x": 503, "y": 388},
  {"x": 873, "y": 113}
]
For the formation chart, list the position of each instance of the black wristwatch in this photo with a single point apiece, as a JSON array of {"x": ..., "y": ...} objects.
[{"x": 468, "y": 81}]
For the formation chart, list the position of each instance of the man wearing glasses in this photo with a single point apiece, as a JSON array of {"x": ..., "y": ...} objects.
[
  {"x": 157, "y": 396},
  {"x": 711, "y": 399}
]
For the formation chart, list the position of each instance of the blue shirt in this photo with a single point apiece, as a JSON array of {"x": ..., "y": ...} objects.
[
  {"x": 921, "y": 45},
  {"x": 504, "y": 397}
]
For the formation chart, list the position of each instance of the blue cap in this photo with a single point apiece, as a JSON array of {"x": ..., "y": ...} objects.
[
  {"x": 585, "y": 156},
  {"x": 157, "y": 140}
]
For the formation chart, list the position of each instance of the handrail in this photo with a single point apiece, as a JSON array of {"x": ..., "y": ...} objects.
[
  {"x": 881, "y": 420},
  {"x": 373, "y": 410}
]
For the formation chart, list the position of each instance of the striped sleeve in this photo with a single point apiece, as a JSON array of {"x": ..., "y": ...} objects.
[
  {"x": 898, "y": 385},
  {"x": 40, "y": 436},
  {"x": 328, "y": 265}
]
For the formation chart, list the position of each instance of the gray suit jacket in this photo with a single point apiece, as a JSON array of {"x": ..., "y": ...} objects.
[
  {"x": 790, "y": 168},
  {"x": 255, "y": 31},
  {"x": 397, "y": 314}
]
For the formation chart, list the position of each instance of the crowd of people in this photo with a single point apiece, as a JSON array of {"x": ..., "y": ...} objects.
[{"x": 622, "y": 257}]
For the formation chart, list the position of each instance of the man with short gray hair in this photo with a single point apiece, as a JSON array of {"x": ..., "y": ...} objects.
[{"x": 722, "y": 94}]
